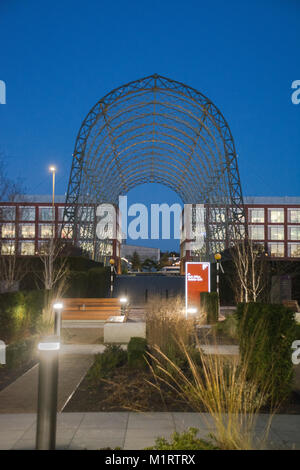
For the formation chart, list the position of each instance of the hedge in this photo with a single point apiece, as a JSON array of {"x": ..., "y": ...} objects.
[
  {"x": 266, "y": 333},
  {"x": 209, "y": 304}
]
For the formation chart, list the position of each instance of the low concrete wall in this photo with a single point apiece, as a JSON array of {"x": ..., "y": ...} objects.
[{"x": 122, "y": 332}]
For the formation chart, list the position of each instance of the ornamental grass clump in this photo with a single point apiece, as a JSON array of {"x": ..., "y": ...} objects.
[{"x": 219, "y": 386}]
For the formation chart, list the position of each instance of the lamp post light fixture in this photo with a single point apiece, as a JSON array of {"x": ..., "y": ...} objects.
[
  {"x": 47, "y": 393},
  {"x": 218, "y": 259},
  {"x": 57, "y": 307},
  {"x": 111, "y": 262},
  {"x": 123, "y": 301},
  {"x": 52, "y": 170}
]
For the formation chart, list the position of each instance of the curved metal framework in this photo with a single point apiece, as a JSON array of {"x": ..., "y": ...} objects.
[{"x": 155, "y": 130}]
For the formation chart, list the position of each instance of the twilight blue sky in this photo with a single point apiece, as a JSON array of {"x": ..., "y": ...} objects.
[{"x": 59, "y": 57}]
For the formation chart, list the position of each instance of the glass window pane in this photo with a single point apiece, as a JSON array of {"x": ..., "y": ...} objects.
[
  {"x": 67, "y": 231},
  {"x": 46, "y": 213},
  {"x": 46, "y": 231},
  {"x": 256, "y": 216},
  {"x": 294, "y": 216},
  {"x": 8, "y": 231},
  {"x": 276, "y": 216},
  {"x": 27, "y": 248},
  {"x": 276, "y": 250},
  {"x": 294, "y": 232},
  {"x": 257, "y": 232},
  {"x": 27, "y": 231},
  {"x": 7, "y": 212},
  {"x": 8, "y": 248},
  {"x": 276, "y": 232},
  {"x": 294, "y": 250},
  {"x": 27, "y": 213}
]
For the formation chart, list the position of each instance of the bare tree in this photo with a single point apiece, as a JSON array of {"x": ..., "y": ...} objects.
[
  {"x": 250, "y": 271},
  {"x": 12, "y": 269}
]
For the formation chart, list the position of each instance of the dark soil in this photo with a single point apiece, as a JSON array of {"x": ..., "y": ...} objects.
[
  {"x": 126, "y": 390},
  {"x": 7, "y": 376}
]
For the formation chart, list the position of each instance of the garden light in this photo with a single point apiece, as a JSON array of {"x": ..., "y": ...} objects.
[
  {"x": 191, "y": 310},
  {"x": 57, "y": 307},
  {"x": 123, "y": 300},
  {"x": 47, "y": 393}
]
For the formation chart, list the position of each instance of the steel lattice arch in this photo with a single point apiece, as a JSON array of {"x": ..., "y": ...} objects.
[{"x": 155, "y": 130}]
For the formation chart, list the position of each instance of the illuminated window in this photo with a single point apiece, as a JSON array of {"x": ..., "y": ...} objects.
[
  {"x": 276, "y": 216},
  {"x": 8, "y": 248},
  {"x": 46, "y": 214},
  {"x": 43, "y": 248},
  {"x": 257, "y": 216},
  {"x": 8, "y": 231},
  {"x": 27, "y": 231},
  {"x": 7, "y": 212},
  {"x": 276, "y": 250},
  {"x": 27, "y": 248},
  {"x": 294, "y": 216},
  {"x": 294, "y": 250},
  {"x": 66, "y": 232},
  {"x": 27, "y": 213},
  {"x": 294, "y": 232},
  {"x": 257, "y": 232},
  {"x": 276, "y": 232},
  {"x": 46, "y": 231},
  {"x": 218, "y": 215},
  {"x": 86, "y": 214}
]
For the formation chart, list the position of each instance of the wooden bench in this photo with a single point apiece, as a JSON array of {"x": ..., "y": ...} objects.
[
  {"x": 292, "y": 304},
  {"x": 90, "y": 309}
]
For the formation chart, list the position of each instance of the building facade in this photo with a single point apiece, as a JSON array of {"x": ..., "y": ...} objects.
[{"x": 27, "y": 225}]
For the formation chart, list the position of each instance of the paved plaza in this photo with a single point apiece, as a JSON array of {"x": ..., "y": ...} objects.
[{"x": 130, "y": 430}]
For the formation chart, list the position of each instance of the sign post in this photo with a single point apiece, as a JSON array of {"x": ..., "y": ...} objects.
[{"x": 197, "y": 279}]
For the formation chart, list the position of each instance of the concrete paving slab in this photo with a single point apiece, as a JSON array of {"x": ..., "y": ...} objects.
[{"x": 105, "y": 420}]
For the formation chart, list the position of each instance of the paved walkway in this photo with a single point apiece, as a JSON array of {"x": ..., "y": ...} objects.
[
  {"x": 21, "y": 395},
  {"x": 132, "y": 430}
]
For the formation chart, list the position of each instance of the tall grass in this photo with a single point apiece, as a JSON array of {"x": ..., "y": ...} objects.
[
  {"x": 166, "y": 322},
  {"x": 216, "y": 384}
]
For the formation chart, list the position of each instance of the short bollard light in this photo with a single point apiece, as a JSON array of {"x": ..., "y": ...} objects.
[
  {"x": 47, "y": 393},
  {"x": 57, "y": 307},
  {"x": 191, "y": 311},
  {"x": 123, "y": 302}
]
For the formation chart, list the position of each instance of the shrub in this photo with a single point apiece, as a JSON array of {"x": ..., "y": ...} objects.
[
  {"x": 20, "y": 352},
  {"x": 112, "y": 357},
  {"x": 228, "y": 327},
  {"x": 209, "y": 304},
  {"x": 19, "y": 313},
  {"x": 186, "y": 441},
  {"x": 266, "y": 333},
  {"x": 136, "y": 351}
]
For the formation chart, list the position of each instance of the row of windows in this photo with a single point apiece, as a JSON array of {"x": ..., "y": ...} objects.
[
  {"x": 275, "y": 232},
  {"x": 29, "y": 231},
  {"x": 27, "y": 248},
  {"x": 45, "y": 214},
  {"x": 275, "y": 216},
  {"x": 256, "y": 232}
]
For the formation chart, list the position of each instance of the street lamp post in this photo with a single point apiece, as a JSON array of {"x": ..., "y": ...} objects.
[
  {"x": 218, "y": 258},
  {"x": 111, "y": 262},
  {"x": 52, "y": 169}
]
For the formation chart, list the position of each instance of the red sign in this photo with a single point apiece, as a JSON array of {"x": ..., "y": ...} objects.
[{"x": 197, "y": 279}]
